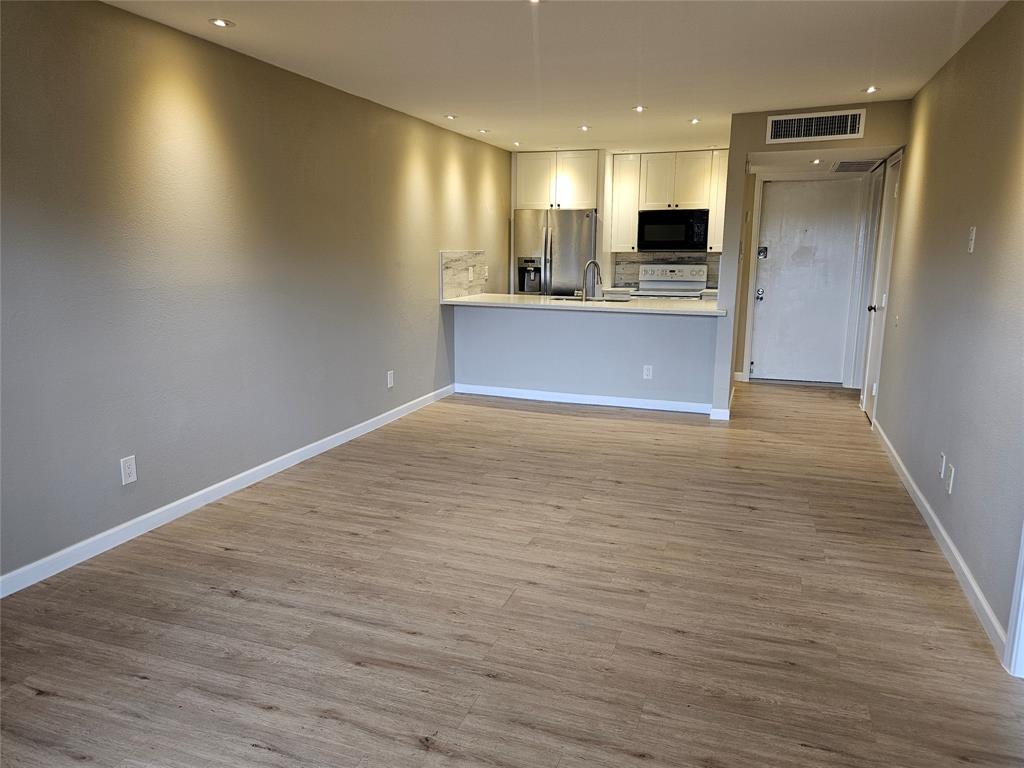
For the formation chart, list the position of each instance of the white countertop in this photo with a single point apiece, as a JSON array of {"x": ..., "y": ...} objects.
[{"x": 637, "y": 306}]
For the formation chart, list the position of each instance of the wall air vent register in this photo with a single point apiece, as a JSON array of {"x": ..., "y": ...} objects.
[{"x": 815, "y": 126}]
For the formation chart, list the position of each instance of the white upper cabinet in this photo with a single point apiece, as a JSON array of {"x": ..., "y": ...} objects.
[
  {"x": 625, "y": 202},
  {"x": 675, "y": 180},
  {"x": 556, "y": 179},
  {"x": 693, "y": 180},
  {"x": 576, "y": 179},
  {"x": 719, "y": 176},
  {"x": 657, "y": 180},
  {"x": 535, "y": 179}
]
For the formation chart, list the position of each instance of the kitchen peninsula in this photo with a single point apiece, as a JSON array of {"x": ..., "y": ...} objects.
[{"x": 650, "y": 353}]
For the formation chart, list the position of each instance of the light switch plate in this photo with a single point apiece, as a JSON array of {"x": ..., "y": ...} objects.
[{"x": 970, "y": 239}]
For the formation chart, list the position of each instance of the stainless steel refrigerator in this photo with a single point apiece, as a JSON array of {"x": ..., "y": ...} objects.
[{"x": 550, "y": 248}]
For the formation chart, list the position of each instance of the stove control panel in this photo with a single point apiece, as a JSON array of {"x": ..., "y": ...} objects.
[{"x": 674, "y": 272}]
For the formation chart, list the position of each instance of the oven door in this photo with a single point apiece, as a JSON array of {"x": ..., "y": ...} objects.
[{"x": 674, "y": 230}]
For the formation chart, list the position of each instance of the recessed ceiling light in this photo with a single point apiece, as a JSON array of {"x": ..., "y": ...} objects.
[
  {"x": 816, "y": 161},
  {"x": 515, "y": 143},
  {"x": 584, "y": 128},
  {"x": 450, "y": 117},
  {"x": 534, "y": 2},
  {"x": 872, "y": 89},
  {"x": 222, "y": 23},
  {"x": 639, "y": 108},
  {"x": 694, "y": 121},
  {"x": 483, "y": 130}
]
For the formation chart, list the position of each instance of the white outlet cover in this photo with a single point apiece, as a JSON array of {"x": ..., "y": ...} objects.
[
  {"x": 949, "y": 483},
  {"x": 128, "y": 473},
  {"x": 648, "y": 372},
  {"x": 391, "y": 379}
]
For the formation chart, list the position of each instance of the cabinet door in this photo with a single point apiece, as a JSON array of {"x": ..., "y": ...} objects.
[
  {"x": 535, "y": 179},
  {"x": 576, "y": 179},
  {"x": 719, "y": 177},
  {"x": 693, "y": 180},
  {"x": 657, "y": 180},
  {"x": 625, "y": 202}
]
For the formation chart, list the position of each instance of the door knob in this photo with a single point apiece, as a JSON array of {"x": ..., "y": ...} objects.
[{"x": 872, "y": 308}]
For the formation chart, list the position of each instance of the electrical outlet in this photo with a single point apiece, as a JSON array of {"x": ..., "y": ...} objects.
[
  {"x": 391, "y": 379},
  {"x": 897, "y": 321},
  {"x": 486, "y": 271},
  {"x": 949, "y": 480},
  {"x": 942, "y": 465},
  {"x": 970, "y": 239},
  {"x": 648, "y": 372},
  {"x": 128, "y": 473}
]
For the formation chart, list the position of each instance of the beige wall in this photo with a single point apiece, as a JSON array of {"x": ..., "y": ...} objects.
[
  {"x": 953, "y": 368},
  {"x": 207, "y": 262},
  {"x": 886, "y": 124}
]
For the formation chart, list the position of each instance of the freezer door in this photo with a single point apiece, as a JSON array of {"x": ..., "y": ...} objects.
[
  {"x": 529, "y": 240},
  {"x": 573, "y": 242}
]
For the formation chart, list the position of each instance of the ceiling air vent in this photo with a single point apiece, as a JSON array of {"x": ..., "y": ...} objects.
[
  {"x": 855, "y": 166},
  {"x": 815, "y": 126}
]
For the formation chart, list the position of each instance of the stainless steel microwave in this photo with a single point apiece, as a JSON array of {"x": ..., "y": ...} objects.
[{"x": 673, "y": 230}]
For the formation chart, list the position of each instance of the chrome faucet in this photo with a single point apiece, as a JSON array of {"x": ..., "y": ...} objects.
[{"x": 586, "y": 270}]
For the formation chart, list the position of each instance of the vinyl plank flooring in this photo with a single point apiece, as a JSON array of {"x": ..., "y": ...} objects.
[{"x": 510, "y": 583}]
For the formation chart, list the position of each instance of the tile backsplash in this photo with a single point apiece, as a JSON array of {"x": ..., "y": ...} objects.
[
  {"x": 463, "y": 273},
  {"x": 627, "y": 265}
]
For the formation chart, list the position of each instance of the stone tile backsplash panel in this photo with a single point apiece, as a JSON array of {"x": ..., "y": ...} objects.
[
  {"x": 463, "y": 273},
  {"x": 627, "y": 265}
]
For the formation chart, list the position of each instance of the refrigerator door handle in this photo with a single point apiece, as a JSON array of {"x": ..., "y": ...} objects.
[{"x": 545, "y": 280}]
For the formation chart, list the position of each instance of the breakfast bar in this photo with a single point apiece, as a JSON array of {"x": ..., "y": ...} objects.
[{"x": 650, "y": 353}]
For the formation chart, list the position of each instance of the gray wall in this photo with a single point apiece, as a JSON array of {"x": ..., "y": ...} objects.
[
  {"x": 952, "y": 371},
  {"x": 589, "y": 353},
  {"x": 207, "y": 262}
]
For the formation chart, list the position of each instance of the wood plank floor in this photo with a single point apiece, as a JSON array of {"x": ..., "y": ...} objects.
[{"x": 502, "y": 583}]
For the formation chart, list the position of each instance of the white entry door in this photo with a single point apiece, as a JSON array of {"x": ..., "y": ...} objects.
[
  {"x": 880, "y": 289},
  {"x": 805, "y": 278}
]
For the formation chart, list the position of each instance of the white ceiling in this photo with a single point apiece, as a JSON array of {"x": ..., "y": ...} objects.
[{"x": 535, "y": 72}]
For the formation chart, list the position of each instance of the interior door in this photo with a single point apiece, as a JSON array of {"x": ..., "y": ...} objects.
[
  {"x": 576, "y": 179},
  {"x": 803, "y": 287},
  {"x": 657, "y": 180},
  {"x": 535, "y": 179},
  {"x": 880, "y": 291},
  {"x": 693, "y": 180}
]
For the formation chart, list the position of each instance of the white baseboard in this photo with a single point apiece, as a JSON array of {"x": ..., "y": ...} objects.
[
  {"x": 47, "y": 566},
  {"x": 720, "y": 414},
  {"x": 571, "y": 397},
  {"x": 993, "y": 627},
  {"x": 1013, "y": 658},
  {"x": 741, "y": 376}
]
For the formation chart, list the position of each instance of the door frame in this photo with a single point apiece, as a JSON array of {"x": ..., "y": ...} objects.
[
  {"x": 860, "y": 269},
  {"x": 889, "y": 204}
]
